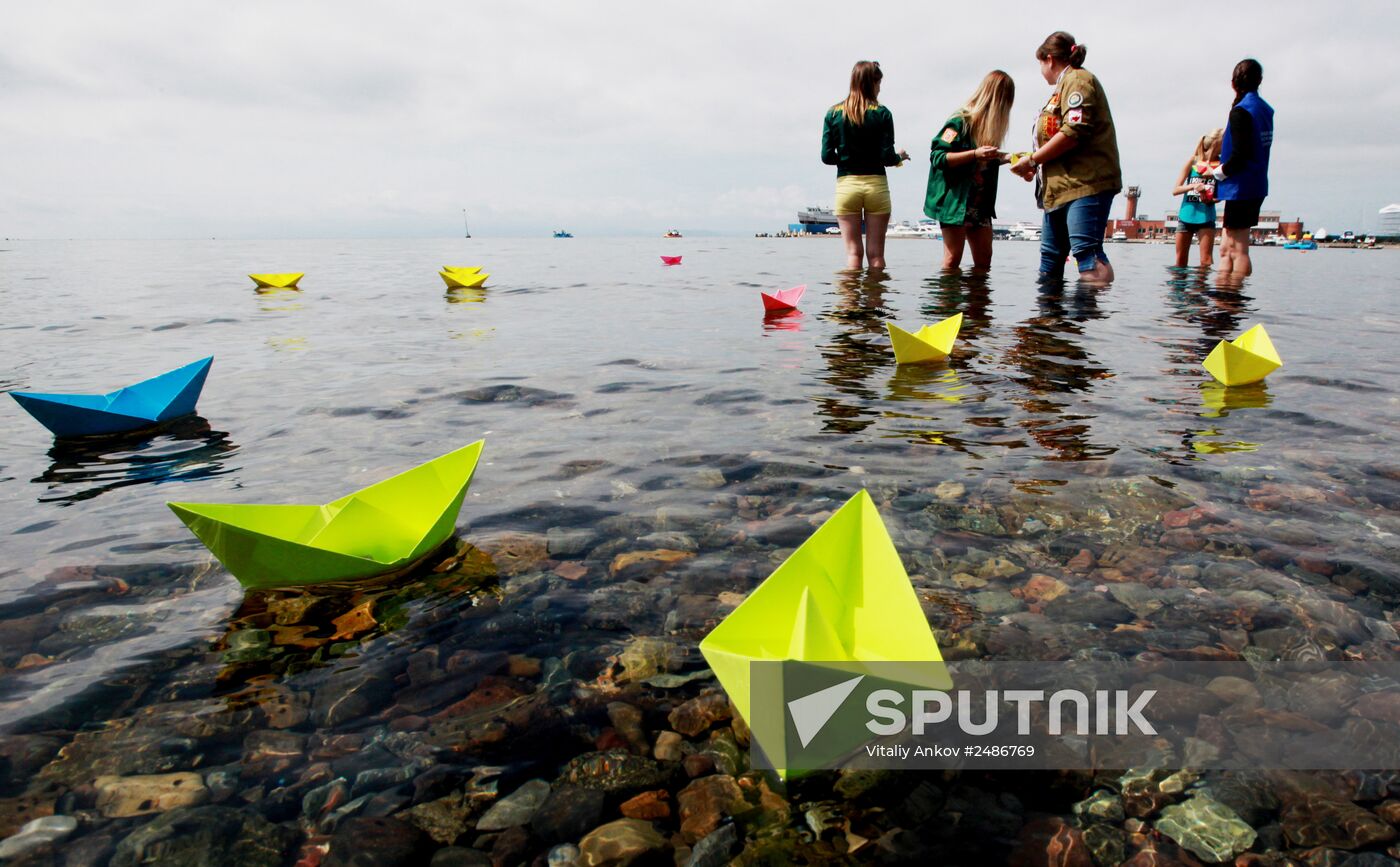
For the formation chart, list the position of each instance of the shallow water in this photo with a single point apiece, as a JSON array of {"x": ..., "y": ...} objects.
[{"x": 652, "y": 407}]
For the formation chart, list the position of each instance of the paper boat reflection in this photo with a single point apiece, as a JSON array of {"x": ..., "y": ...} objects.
[
  {"x": 385, "y": 527},
  {"x": 1248, "y": 358},
  {"x": 783, "y": 320},
  {"x": 843, "y": 596},
  {"x": 159, "y": 399},
  {"x": 277, "y": 281},
  {"x": 1220, "y": 399},
  {"x": 783, "y": 299},
  {"x": 930, "y": 343}
]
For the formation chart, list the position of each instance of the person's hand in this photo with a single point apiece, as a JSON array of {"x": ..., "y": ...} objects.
[
  {"x": 1023, "y": 169},
  {"x": 1195, "y": 187},
  {"x": 903, "y": 155},
  {"x": 987, "y": 154}
]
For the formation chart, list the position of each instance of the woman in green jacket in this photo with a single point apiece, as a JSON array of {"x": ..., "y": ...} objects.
[
  {"x": 962, "y": 174},
  {"x": 858, "y": 138}
]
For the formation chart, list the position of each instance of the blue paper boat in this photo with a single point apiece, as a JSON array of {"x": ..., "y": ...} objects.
[{"x": 152, "y": 401}]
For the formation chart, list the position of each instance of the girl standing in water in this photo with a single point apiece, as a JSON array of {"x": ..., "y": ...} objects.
[
  {"x": 1197, "y": 214},
  {"x": 1244, "y": 171},
  {"x": 1077, "y": 157},
  {"x": 858, "y": 138},
  {"x": 963, "y": 164}
]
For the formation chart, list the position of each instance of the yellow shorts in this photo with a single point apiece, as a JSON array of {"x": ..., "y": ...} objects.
[{"x": 857, "y": 193}]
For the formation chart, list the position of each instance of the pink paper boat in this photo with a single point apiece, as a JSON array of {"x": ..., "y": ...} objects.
[
  {"x": 783, "y": 299},
  {"x": 670, "y": 260}
]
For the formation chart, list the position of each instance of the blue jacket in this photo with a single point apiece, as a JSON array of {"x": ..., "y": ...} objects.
[{"x": 1246, "y": 162}]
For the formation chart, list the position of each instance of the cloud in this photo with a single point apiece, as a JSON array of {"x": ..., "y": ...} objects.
[{"x": 198, "y": 119}]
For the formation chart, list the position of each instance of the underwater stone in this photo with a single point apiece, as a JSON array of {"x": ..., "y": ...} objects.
[
  {"x": 619, "y": 843},
  {"x": 1206, "y": 828},
  {"x": 515, "y": 809},
  {"x": 210, "y": 836}
]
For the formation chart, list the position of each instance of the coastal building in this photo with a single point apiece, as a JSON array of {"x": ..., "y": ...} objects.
[
  {"x": 1390, "y": 221},
  {"x": 1135, "y": 227}
]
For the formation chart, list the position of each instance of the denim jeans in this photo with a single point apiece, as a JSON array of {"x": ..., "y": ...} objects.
[{"x": 1076, "y": 228}]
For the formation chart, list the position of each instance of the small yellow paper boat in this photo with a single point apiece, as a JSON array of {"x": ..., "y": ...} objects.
[
  {"x": 463, "y": 279},
  {"x": 930, "y": 343},
  {"x": 1248, "y": 358},
  {"x": 843, "y": 596},
  {"x": 461, "y": 269},
  {"x": 277, "y": 281}
]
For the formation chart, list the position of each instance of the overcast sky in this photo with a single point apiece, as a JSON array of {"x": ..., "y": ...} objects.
[{"x": 290, "y": 119}]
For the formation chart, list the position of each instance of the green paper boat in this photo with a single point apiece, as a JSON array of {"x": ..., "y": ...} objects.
[
  {"x": 386, "y": 527},
  {"x": 843, "y": 596}
]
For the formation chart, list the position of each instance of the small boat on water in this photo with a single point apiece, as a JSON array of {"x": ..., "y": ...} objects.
[
  {"x": 153, "y": 401},
  {"x": 560, "y": 233},
  {"x": 464, "y": 279},
  {"x": 1305, "y": 244},
  {"x": 783, "y": 299},
  {"x": 386, "y": 527},
  {"x": 672, "y": 234},
  {"x": 670, "y": 260},
  {"x": 1246, "y": 359},
  {"x": 843, "y": 596},
  {"x": 277, "y": 281},
  {"x": 930, "y": 343}
]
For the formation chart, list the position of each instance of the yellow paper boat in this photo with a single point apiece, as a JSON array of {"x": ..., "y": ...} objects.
[
  {"x": 1248, "y": 358},
  {"x": 386, "y": 527},
  {"x": 930, "y": 343},
  {"x": 843, "y": 596},
  {"x": 461, "y": 269},
  {"x": 277, "y": 281},
  {"x": 463, "y": 279}
]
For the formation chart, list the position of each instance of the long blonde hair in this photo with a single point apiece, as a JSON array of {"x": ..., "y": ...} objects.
[
  {"x": 1207, "y": 149},
  {"x": 988, "y": 110},
  {"x": 865, "y": 76}
]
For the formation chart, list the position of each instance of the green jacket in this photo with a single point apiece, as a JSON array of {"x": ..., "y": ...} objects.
[
  {"x": 859, "y": 150},
  {"x": 1079, "y": 109},
  {"x": 949, "y": 187}
]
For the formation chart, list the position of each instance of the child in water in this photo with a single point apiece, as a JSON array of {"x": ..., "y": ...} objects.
[{"x": 1197, "y": 215}]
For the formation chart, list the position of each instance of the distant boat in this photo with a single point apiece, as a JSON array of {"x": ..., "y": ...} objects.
[
  {"x": 670, "y": 260},
  {"x": 560, "y": 233},
  {"x": 1024, "y": 232},
  {"x": 1305, "y": 244},
  {"x": 672, "y": 234},
  {"x": 159, "y": 399},
  {"x": 386, "y": 527},
  {"x": 277, "y": 281}
]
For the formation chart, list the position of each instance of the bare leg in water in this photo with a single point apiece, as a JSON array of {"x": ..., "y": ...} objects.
[
  {"x": 850, "y": 234},
  {"x": 875, "y": 227}
]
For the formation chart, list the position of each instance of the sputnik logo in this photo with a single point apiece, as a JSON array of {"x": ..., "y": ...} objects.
[{"x": 813, "y": 711}]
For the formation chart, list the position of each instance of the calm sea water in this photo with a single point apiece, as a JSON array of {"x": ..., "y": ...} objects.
[{"x": 630, "y": 404}]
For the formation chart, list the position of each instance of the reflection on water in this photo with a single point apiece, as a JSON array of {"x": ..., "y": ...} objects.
[
  {"x": 1219, "y": 399},
  {"x": 783, "y": 320},
  {"x": 273, "y": 299},
  {"x": 1056, "y": 368},
  {"x": 465, "y": 296},
  {"x": 186, "y": 449},
  {"x": 857, "y": 350},
  {"x": 287, "y": 344}
]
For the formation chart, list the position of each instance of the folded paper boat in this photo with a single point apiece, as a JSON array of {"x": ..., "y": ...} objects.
[
  {"x": 842, "y": 596},
  {"x": 277, "y": 281},
  {"x": 159, "y": 399},
  {"x": 386, "y": 527},
  {"x": 930, "y": 343},
  {"x": 464, "y": 279},
  {"x": 670, "y": 260},
  {"x": 783, "y": 299},
  {"x": 1248, "y": 358}
]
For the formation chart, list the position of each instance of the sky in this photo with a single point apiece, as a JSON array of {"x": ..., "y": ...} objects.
[{"x": 352, "y": 119}]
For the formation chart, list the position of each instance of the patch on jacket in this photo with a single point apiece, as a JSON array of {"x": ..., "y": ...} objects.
[{"x": 950, "y": 135}]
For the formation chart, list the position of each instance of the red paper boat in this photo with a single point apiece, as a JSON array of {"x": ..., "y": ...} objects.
[
  {"x": 783, "y": 299},
  {"x": 670, "y": 260}
]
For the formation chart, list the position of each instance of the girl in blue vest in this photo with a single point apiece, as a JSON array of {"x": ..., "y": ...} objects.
[{"x": 1243, "y": 176}]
